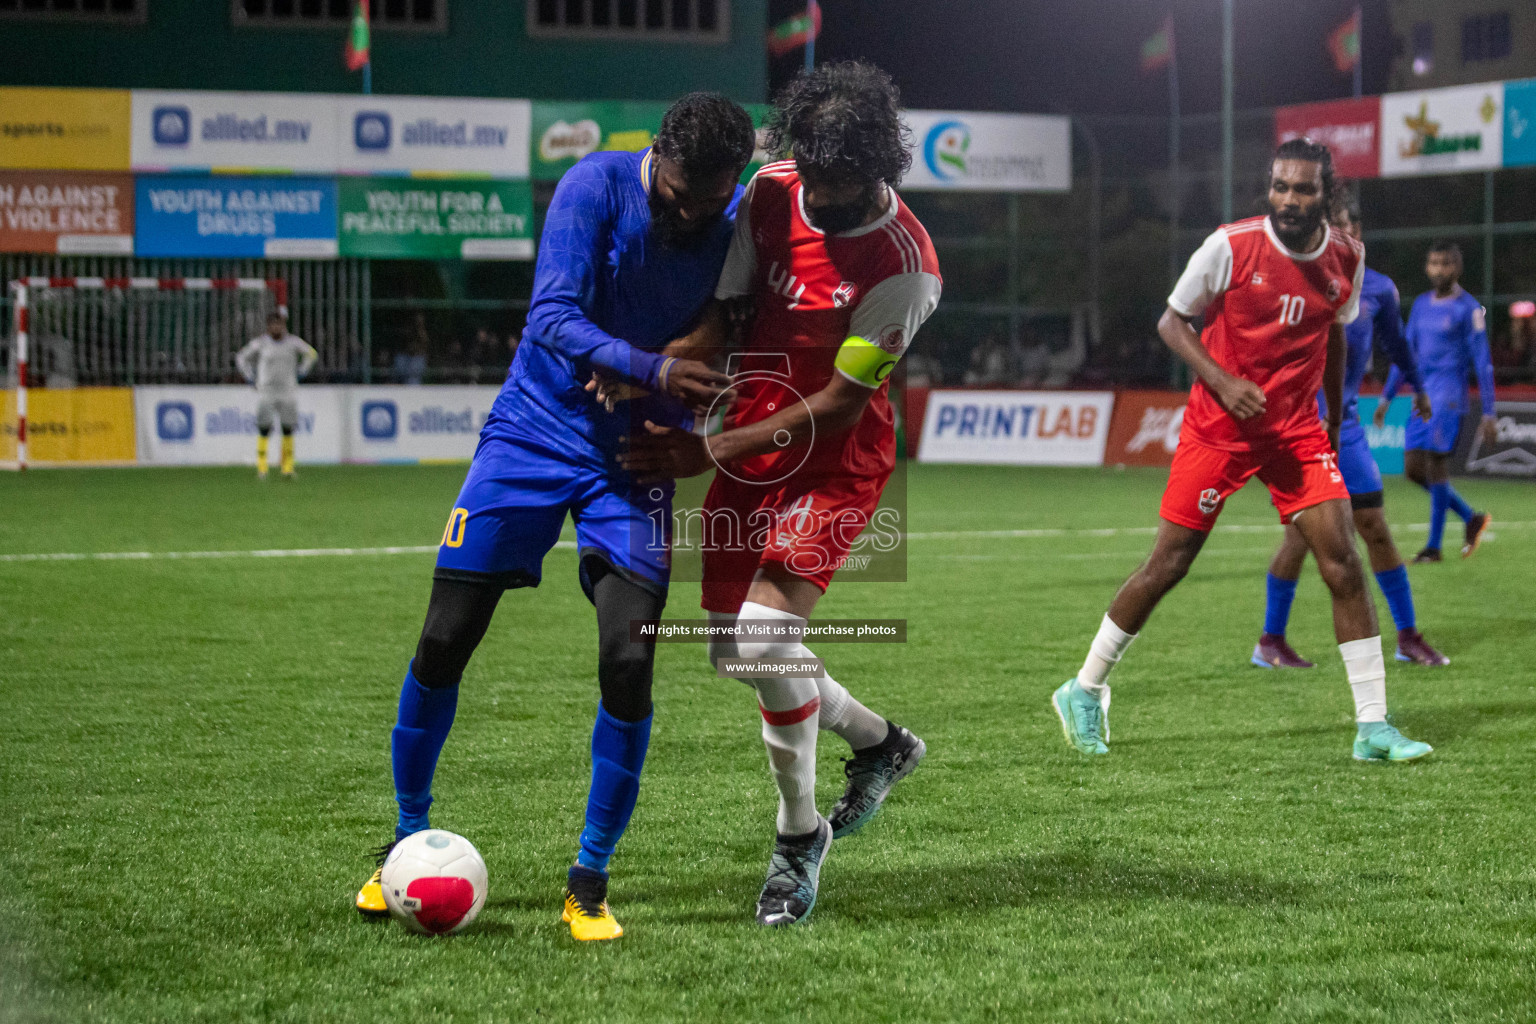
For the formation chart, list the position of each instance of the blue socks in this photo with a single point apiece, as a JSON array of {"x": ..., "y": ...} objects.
[
  {"x": 1277, "y": 606},
  {"x": 618, "y": 753},
  {"x": 1394, "y": 585},
  {"x": 1443, "y": 496},
  {"x": 424, "y": 719}
]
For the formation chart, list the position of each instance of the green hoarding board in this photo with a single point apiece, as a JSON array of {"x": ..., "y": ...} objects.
[
  {"x": 415, "y": 218},
  {"x": 565, "y": 132}
]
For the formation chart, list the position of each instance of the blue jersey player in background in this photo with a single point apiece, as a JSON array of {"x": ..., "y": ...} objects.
[
  {"x": 1381, "y": 320},
  {"x": 631, "y": 250},
  {"x": 1449, "y": 334}
]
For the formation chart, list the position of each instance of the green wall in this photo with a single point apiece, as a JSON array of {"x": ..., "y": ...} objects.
[{"x": 191, "y": 44}]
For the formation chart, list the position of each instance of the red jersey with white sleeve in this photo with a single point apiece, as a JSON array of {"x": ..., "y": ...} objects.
[
  {"x": 1267, "y": 314},
  {"x": 813, "y": 291}
]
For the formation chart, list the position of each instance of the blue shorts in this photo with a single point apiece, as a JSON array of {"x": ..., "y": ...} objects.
[
  {"x": 1438, "y": 435},
  {"x": 1361, "y": 474},
  {"x": 515, "y": 499}
]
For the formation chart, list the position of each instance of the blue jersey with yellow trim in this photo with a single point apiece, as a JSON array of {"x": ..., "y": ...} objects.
[{"x": 608, "y": 295}]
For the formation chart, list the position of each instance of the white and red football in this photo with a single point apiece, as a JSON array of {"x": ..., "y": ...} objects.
[{"x": 434, "y": 882}]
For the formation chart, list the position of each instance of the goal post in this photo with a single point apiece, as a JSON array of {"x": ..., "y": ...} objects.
[{"x": 27, "y": 293}]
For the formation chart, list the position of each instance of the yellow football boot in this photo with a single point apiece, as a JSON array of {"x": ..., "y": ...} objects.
[
  {"x": 370, "y": 898},
  {"x": 586, "y": 907}
]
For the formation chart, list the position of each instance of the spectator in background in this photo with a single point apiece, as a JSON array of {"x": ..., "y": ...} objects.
[
  {"x": 411, "y": 365},
  {"x": 923, "y": 370},
  {"x": 989, "y": 364}
]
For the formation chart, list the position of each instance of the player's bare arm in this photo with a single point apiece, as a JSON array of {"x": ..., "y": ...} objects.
[
  {"x": 1333, "y": 382},
  {"x": 666, "y": 453},
  {"x": 1242, "y": 398}
]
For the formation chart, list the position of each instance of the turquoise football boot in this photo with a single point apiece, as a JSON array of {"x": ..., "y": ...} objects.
[
  {"x": 1378, "y": 741},
  {"x": 1083, "y": 719}
]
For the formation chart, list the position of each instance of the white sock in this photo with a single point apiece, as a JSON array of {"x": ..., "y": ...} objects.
[
  {"x": 841, "y": 712},
  {"x": 791, "y": 708},
  {"x": 1104, "y": 653},
  {"x": 1367, "y": 672}
]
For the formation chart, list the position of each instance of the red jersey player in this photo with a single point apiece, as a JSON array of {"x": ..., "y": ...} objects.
[
  {"x": 841, "y": 274},
  {"x": 1275, "y": 292}
]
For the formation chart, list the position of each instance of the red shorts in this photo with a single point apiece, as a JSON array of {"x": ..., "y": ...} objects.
[
  {"x": 1299, "y": 474},
  {"x": 806, "y": 525}
]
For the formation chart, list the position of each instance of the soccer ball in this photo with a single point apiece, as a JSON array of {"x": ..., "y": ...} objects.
[{"x": 434, "y": 882}]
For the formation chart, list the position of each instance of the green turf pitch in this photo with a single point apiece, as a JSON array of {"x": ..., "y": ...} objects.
[{"x": 194, "y": 760}]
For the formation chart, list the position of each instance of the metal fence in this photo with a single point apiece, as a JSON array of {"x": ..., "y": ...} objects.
[{"x": 84, "y": 338}]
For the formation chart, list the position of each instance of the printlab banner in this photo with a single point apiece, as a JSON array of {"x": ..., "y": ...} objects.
[
  {"x": 64, "y": 129},
  {"x": 1351, "y": 129},
  {"x": 1016, "y": 428},
  {"x": 415, "y": 424},
  {"x": 216, "y": 426},
  {"x": 235, "y": 217},
  {"x": 1439, "y": 131},
  {"x": 989, "y": 152},
  {"x": 66, "y": 213},
  {"x": 464, "y": 219}
]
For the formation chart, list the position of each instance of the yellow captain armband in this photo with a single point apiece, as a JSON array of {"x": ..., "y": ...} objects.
[{"x": 865, "y": 362}]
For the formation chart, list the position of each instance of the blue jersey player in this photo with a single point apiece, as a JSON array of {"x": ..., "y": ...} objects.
[
  {"x": 1381, "y": 320},
  {"x": 1449, "y": 334},
  {"x": 631, "y": 250}
]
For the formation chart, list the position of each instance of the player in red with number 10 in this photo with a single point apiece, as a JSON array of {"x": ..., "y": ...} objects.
[{"x": 1275, "y": 292}]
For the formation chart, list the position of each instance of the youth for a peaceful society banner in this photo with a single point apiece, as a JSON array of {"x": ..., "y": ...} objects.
[
  {"x": 66, "y": 213},
  {"x": 235, "y": 217},
  {"x": 413, "y": 219},
  {"x": 989, "y": 152},
  {"x": 1016, "y": 428}
]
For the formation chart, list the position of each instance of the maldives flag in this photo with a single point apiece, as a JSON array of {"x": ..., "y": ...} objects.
[
  {"x": 1157, "y": 51},
  {"x": 1344, "y": 44},
  {"x": 357, "y": 37},
  {"x": 793, "y": 33}
]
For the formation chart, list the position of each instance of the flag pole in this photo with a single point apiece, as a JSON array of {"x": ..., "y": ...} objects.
[
  {"x": 813, "y": 13},
  {"x": 368, "y": 77},
  {"x": 1359, "y": 49},
  {"x": 1227, "y": 85},
  {"x": 1174, "y": 125}
]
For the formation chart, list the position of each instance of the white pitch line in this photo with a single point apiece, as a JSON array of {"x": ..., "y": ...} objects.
[{"x": 570, "y": 545}]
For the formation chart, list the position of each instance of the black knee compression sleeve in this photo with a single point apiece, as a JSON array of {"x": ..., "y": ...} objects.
[
  {"x": 624, "y": 668},
  {"x": 457, "y": 617}
]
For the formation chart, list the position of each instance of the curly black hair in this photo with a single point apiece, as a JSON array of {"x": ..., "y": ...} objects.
[
  {"x": 843, "y": 123},
  {"x": 707, "y": 134},
  {"x": 1303, "y": 148}
]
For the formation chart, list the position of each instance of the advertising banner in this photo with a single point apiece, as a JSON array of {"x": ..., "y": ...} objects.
[
  {"x": 415, "y": 424},
  {"x": 1386, "y": 441},
  {"x": 465, "y": 219},
  {"x": 216, "y": 425},
  {"x": 1438, "y": 131},
  {"x": 989, "y": 152},
  {"x": 1016, "y": 428},
  {"x": 64, "y": 129},
  {"x": 233, "y": 132},
  {"x": 564, "y": 132},
  {"x": 1144, "y": 430},
  {"x": 79, "y": 425},
  {"x": 1512, "y": 453},
  {"x": 432, "y": 136},
  {"x": 1520, "y": 123},
  {"x": 1351, "y": 129},
  {"x": 235, "y": 217},
  {"x": 66, "y": 213}
]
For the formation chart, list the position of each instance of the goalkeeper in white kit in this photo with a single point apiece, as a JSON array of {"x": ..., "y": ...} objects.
[{"x": 274, "y": 363}]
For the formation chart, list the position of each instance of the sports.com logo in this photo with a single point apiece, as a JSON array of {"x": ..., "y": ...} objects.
[
  {"x": 174, "y": 421},
  {"x": 171, "y": 126},
  {"x": 380, "y": 421},
  {"x": 1210, "y": 498},
  {"x": 371, "y": 130}
]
